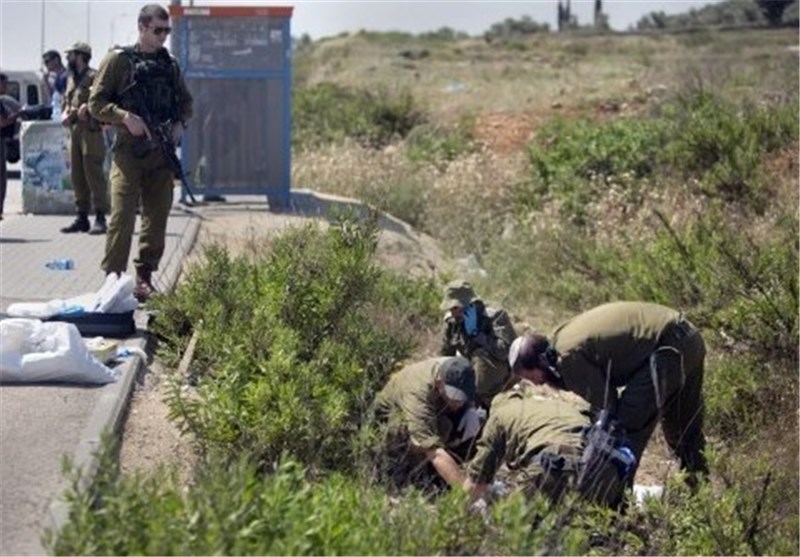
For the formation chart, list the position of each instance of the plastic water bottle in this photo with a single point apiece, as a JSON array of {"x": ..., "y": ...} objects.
[{"x": 60, "y": 264}]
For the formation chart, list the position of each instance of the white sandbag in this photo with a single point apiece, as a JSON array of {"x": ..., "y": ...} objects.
[{"x": 35, "y": 352}]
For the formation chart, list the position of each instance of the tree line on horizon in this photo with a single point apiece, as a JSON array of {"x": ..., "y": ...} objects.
[{"x": 773, "y": 13}]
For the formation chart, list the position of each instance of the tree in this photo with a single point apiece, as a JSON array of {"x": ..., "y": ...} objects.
[{"x": 773, "y": 10}]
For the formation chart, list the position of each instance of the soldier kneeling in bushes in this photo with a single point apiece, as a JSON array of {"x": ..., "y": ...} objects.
[{"x": 426, "y": 418}]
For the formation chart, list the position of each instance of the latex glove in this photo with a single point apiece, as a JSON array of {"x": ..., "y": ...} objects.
[
  {"x": 471, "y": 320},
  {"x": 469, "y": 425},
  {"x": 498, "y": 489}
]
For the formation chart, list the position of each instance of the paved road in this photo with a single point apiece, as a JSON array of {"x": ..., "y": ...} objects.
[{"x": 40, "y": 423}]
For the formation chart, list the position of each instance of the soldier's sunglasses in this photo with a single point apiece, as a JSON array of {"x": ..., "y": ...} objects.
[{"x": 161, "y": 30}]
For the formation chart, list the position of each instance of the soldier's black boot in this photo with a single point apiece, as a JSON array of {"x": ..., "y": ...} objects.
[
  {"x": 99, "y": 226},
  {"x": 80, "y": 224},
  {"x": 143, "y": 288}
]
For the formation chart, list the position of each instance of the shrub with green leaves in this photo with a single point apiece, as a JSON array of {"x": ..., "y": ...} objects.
[
  {"x": 571, "y": 159},
  {"x": 698, "y": 136},
  {"x": 723, "y": 144},
  {"x": 330, "y": 113},
  {"x": 436, "y": 144},
  {"x": 292, "y": 343}
]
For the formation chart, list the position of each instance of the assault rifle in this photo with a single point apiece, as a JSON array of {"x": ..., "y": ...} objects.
[
  {"x": 162, "y": 135},
  {"x": 604, "y": 443}
]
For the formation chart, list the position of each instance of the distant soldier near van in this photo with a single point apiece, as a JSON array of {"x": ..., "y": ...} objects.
[
  {"x": 140, "y": 90},
  {"x": 479, "y": 333},
  {"x": 87, "y": 147}
]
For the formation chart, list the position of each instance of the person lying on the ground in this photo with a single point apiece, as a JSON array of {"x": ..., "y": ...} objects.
[
  {"x": 479, "y": 333},
  {"x": 650, "y": 351},
  {"x": 545, "y": 444},
  {"x": 425, "y": 410}
]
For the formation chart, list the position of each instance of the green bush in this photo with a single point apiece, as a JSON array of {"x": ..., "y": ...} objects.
[
  {"x": 330, "y": 113},
  {"x": 699, "y": 136},
  {"x": 432, "y": 143},
  {"x": 571, "y": 161},
  {"x": 723, "y": 145},
  {"x": 290, "y": 346}
]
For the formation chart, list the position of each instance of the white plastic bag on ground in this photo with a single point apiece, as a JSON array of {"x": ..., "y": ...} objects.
[
  {"x": 115, "y": 296},
  {"x": 644, "y": 492},
  {"x": 34, "y": 352}
]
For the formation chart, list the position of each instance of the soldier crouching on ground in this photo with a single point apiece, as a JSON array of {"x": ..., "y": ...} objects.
[
  {"x": 140, "y": 89},
  {"x": 479, "y": 333},
  {"x": 649, "y": 351},
  {"x": 420, "y": 413},
  {"x": 87, "y": 147},
  {"x": 542, "y": 442}
]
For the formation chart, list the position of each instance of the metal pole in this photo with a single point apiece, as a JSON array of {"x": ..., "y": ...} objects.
[
  {"x": 173, "y": 38},
  {"x": 41, "y": 47}
]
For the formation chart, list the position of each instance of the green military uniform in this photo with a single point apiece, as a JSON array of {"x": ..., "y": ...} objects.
[
  {"x": 129, "y": 80},
  {"x": 656, "y": 355},
  {"x": 487, "y": 349},
  {"x": 540, "y": 440},
  {"x": 415, "y": 419},
  {"x": 87, "y": 147}
]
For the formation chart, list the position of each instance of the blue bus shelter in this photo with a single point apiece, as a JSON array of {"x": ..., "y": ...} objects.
[{"x": 237, "y": 64}]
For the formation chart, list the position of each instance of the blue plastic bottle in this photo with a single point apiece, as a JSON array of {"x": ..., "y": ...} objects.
[{"x": 60, "y": 264}]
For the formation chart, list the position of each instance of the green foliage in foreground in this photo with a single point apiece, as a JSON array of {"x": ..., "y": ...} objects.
[
  {"x": 292, "y": 344},
  {"x": 238, "y": 509}
]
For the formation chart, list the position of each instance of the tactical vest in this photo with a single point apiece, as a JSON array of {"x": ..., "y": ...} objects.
[{"x": 153, "y": 90}]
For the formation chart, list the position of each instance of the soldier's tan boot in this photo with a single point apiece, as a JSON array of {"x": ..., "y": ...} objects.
[{"x": 144, "y": 287}]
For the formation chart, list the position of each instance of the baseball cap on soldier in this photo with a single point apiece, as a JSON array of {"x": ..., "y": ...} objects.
[
  {"x": 457, "y": 293},
  {"x": 459, "y": 379},
  {"x": 81, "y": 47}
]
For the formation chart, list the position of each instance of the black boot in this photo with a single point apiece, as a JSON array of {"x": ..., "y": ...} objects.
[
  {"x": 144, "y": 287},
  {"x": 99, "y": 224},
  {"x": 80, "y": 224}
]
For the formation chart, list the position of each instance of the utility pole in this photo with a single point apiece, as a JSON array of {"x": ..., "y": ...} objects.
[{"x": 41, "y": 47}]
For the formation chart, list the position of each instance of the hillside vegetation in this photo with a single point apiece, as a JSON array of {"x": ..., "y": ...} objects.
[{"x": 575, "y": 170}]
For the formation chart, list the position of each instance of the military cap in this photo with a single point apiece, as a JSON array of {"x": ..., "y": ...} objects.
[
  {"x": 81, "y": 47},
  {"x": 459, "y": 378},
  {"x": 457, "y": 293}
]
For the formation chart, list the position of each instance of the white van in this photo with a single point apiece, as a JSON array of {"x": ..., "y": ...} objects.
[{"x": 28, "y": 88}]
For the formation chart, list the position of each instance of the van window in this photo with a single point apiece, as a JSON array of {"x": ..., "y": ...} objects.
[
  {"x": 33, "y": 95},
  {"x": 13, "y": 89}
]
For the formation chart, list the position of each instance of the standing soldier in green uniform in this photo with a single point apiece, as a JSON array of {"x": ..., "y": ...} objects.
[
  {"x": 479, "y": 333},
  {"x": 422, "y": 410},
  {"x": 649, "y": 351},
  {"x": 541, "y": 441},
  {"x": 87, "y": 148},
  {"x": 137, "y": 89}
]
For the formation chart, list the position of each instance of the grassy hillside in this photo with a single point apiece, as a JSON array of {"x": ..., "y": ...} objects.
[{"x": 574, "y": 170}]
